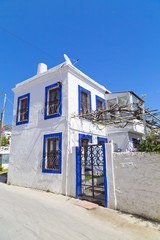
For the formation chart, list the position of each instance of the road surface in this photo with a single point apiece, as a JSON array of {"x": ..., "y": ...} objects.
[{"x": 37, "y": 215}]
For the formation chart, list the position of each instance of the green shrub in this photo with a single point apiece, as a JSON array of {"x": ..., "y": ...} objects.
[
  {"x": 1, "y": 168},
  {"x": 152, "y": 144},
  {"x": 4, "y": 141}
]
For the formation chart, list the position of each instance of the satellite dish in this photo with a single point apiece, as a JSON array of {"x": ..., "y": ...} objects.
[{"x": 67, "y": 59}]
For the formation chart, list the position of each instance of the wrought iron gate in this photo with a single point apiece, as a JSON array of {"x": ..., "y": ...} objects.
[{"x": 92, "y": 174}]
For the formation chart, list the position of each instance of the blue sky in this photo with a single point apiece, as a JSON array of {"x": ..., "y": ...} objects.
[{"x": 117, "y": 42}]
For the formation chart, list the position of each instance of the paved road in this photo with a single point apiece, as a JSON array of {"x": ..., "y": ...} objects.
[{"x": 30, "y": 214}]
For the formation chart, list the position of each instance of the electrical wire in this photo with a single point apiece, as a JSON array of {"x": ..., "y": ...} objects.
[
  {"x": 27, "y": 42},
  {"x": 9, "y": 101}
]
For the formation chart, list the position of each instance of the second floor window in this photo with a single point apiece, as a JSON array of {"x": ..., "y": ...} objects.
[
  {"x": 53, "y": 101},
  {"x": 84, "y": 101},
  {"x": 112, "y": 106},
  {"x": 85, "y": 107},
  {"x": 23, "y": 109},
  {"x": 100, "y": 105}
]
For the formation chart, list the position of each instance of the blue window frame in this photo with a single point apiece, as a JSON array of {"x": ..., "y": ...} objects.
[
  {"x": 84, "y": 101},
  {"x": 135, "y": 142},
  {"x": 23, "y": 109},
  {"x": 100, "y": 105},
  {"x": 100, "y": 100},
  {"x": 100, "y": 140},
  {"x": 84, "y": 136},
  {"x": 83, "y": 142},
  {"x": 53, "y": 101},
  {"x": 52, "y": 153}
]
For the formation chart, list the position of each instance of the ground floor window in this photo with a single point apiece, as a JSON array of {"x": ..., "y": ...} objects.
[
  {"x": 84, "y": 140},
  {"x": 135, "y": 142},
  {"x": 52, "y": 153},
  {"x": 101, "y": 140}
]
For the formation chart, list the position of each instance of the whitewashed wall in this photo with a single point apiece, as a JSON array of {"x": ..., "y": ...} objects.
[
  {"x": 123, "y": 139},
  {"x": 25, "y": 167},
  {"x": 137, "y": 183},
  {"x": 83, "y": 126},
  {"x": 78, "y": 126}
]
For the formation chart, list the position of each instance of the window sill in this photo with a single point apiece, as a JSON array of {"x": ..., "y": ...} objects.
[
  {"x": 22, "y": 122},
  {"x": 52, "y": 116},
  {"x": 58, "y": 171}
]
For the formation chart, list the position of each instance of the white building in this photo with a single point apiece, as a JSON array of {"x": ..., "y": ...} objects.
[{"x": 44, "y": 129}]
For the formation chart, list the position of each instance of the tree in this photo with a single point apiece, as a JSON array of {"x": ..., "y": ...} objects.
[{"x": 4, "y": 141}]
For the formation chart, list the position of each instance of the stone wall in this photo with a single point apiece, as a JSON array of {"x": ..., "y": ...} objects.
[{"x": 137, "y": 183}]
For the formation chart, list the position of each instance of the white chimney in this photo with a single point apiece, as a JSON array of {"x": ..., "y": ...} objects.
[{"x": 41, "y": 68}]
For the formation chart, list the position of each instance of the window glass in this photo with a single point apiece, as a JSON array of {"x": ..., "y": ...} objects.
[
  {"x": 85, "y": 106},
  {"x": 101, "y": 142},
  {"x": 112, "y": 106},
  {"x": 100, "y": 104},
  {"x": 23, "y": 109},
  {"x": 53, "y": 102},
  {"x": 122, "y": 101},
  {"x": 84, "y": 142},
  {"x": 52, "y": 153}
]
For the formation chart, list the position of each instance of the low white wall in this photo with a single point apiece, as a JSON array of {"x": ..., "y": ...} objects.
[
  {"x": 71, "y": 174},
  {"x": 137, "y": 183}
]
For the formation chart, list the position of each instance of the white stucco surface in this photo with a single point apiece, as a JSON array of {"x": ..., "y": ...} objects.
[
  {"x": 27, "y": 139},
  {"x": 137, "y": 183},
  {"x": 25, "y": 168},
  {"x": 26, "y": 155}
]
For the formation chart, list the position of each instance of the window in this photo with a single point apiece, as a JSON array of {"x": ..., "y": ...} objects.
[
  {"x": 101, "y": 140},
  {"x": 52, "y": 148},
  {"x": 84, "y": 100},
  {"x": 135, "y": 142},
  {"x": 123, "y": 103},
  {"x": 84, "y": 140},
  {"x": 53, "y": 101},
  {"x": 100, "y": 105},
  {"x": 112, "y": 104},
  {"x": 23, "y": 109}
]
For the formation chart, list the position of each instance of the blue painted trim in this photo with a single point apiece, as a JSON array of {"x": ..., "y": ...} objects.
[
  {"x": 133, "y": 140},
  {"x": 79, "y": 98},
  {"x": 101, "y": 99},
  {"x": 105, "y": 176},
  {"x": 60, "y": 98},
  {"x": 60, "y": 153},
  {"x": 78, "y": 172},
  {"x": 84, "y": 136},
  {"x": 101, "y": 139},
  {"x": 28, "y": 106}
]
